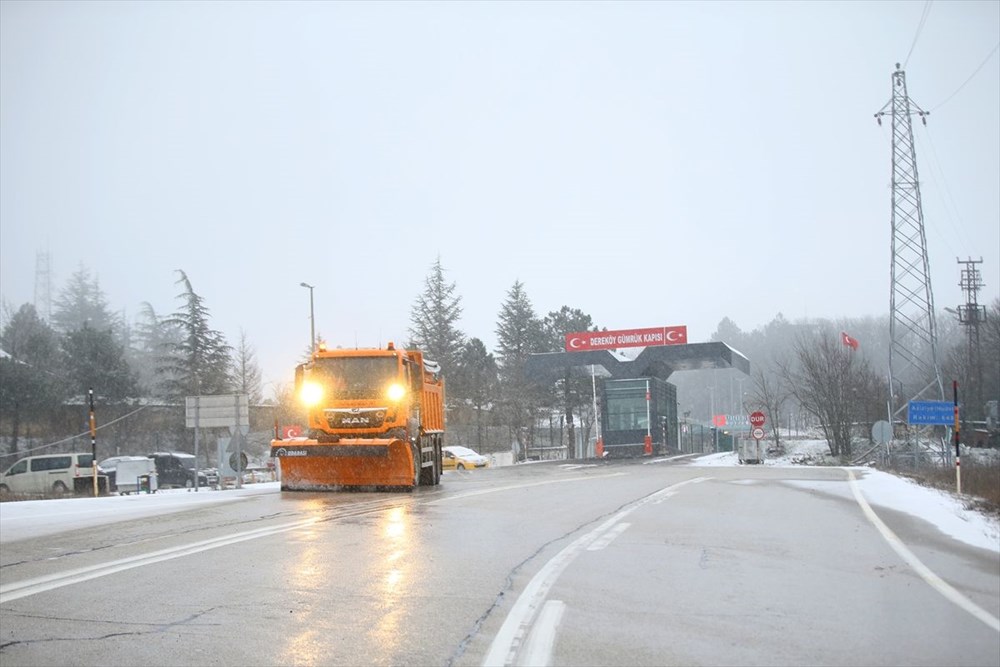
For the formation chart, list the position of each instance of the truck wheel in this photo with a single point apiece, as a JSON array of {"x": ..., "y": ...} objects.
[{"x": 428, "y": 475}]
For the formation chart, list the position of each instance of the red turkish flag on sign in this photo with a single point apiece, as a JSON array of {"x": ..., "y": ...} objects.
[{"x": 848, "y": 341}]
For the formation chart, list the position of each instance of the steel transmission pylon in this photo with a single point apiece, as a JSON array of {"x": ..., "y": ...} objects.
[{"x": 913, "y": 359}]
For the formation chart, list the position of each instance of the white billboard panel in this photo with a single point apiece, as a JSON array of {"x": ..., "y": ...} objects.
[{"x": 221, "y": 411}]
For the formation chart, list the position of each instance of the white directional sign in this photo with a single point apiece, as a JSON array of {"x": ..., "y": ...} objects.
[{"x": 221, "y": 411}]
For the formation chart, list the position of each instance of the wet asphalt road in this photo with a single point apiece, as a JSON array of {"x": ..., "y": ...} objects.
[{"x": 622, "y": 563}]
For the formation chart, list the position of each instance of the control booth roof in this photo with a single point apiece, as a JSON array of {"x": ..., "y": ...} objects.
[{"x": 659, "y": 361}]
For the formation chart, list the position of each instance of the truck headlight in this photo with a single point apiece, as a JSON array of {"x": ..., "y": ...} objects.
[
  {"x": 395, "y": 391},
  {"x": 311, "y": 394}
]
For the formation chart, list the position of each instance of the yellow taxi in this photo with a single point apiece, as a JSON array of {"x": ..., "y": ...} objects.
[{"x": 455, "y": 457}]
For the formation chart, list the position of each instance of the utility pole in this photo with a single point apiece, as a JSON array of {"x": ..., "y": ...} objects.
[
  {"x": 969, "y": 316},
  {"x": 913, "y": 357},
  {"x": 312, "y": 319}
]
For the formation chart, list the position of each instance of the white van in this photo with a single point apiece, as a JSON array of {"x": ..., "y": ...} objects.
[{"x": 53, "y": 473}]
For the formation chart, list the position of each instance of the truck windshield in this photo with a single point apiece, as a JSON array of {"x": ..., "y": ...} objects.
[{"x": 355, "y": 377}]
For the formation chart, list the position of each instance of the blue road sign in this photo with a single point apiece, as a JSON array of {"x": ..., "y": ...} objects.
[{"x": 931, "y": 412}]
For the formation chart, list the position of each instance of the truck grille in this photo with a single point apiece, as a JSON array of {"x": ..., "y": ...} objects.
[{"x": 359, "y": 418}]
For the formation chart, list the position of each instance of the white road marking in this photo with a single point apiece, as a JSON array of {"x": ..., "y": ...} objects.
[
  {"x": 665, "y": 459},
  {"x": 480, "y": 492},
  {"x": 507, "y": 643},
  {"x": 538, "y": 650},
  {"x": 607, "y": 537},
  {"x": 21, "y": 589},
  {"x": 936, "y": 582}
]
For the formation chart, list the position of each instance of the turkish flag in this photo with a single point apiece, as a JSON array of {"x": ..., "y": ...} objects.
[{"x": 848, "y": 341}]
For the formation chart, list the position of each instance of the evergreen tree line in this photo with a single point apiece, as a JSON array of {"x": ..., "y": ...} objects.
[
  {"x": 87, "y": 346},
  {"x": 801, "y": 373}
]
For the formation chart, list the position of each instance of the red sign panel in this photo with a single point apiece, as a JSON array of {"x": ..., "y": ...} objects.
[
  {"x": 757, "y": 418},
  {"x": 610, "y": 340},
  {"x": 289, "y": 432}
]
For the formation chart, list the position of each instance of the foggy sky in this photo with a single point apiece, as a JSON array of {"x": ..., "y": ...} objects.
[{"x": 651, "y": 164}]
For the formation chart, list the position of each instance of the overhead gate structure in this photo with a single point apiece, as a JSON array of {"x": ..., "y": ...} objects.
[{"x": 629, "y": 428}]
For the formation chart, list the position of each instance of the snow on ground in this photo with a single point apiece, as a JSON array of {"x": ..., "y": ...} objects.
[
  {"x": 34, "y": 518},
  {"x": 944, "y": 510}
]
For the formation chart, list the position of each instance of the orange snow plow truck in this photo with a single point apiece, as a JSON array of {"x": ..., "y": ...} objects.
[{"x": 375, "y": 419}]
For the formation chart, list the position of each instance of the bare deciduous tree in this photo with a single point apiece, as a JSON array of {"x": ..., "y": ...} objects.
[
  {"x": 771, "y": 392},
  {"x": 836, "y": 384},
  {"x": 246, "y": 371}
]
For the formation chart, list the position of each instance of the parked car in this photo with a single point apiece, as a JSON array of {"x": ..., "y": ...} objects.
[
  {"x": 178, "y": 469},
  {"x": 460, "y": 458},
  {"x": 53, "y": 473}
]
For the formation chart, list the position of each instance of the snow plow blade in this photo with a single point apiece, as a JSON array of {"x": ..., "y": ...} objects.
[{"x": 309, "y": 465}]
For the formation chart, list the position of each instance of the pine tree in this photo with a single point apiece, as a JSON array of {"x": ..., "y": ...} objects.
[
  {"x": 519, "y": 333},
  {"x": 95, "y": 360},
  {"x": 31, "y": 372},
  {"x": 475, "y": 377},
  {"x": 198, "y": 364},
  {"x": 572, "y": 391},
  {"x": 81, "y": 303},
  {"x": 433, "y": 319},
  {"x": 152, "y": 339}
]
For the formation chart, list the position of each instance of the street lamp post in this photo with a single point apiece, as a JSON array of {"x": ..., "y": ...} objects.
[{"x": 312, "y": 318}]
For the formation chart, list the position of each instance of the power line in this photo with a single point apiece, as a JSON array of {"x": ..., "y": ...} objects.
[
  {"x": 80, "y": 435},
  {"x": 974, "y": 73},
  {"x": 953, "y": 212},
  {"x": 920, "y": 27}
]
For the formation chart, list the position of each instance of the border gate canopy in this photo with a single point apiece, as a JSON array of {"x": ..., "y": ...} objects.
[{"x": 659, "y": 362}]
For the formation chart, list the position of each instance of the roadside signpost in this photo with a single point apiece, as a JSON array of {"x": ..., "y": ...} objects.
[
  {"x": 939, "y": 413},
  {"x": 757, "y": 420},
  {"x": 882, "y": 432},
  {"x": 93, "y": 442},
  {"x": 222, "y": 411}
]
